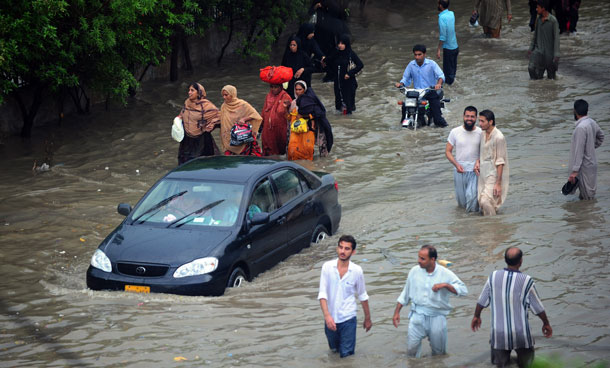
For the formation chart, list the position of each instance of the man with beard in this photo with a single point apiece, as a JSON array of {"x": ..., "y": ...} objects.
[
  {"x": 587, "y": 136},
  {"x": 428, "y": 287},
  {"x": 466, "y": 139},
  {"x": 340, "y": 282}
]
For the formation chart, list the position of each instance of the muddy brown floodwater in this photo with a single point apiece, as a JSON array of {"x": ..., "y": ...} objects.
[{"x": 397, "y": 194}]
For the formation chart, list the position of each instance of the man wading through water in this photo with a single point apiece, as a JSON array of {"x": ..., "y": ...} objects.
[{"x": 340, "y": 282}]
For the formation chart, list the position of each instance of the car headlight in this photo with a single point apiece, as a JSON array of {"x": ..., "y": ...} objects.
[
  {"x": 200, "y": 266},
  {"x": 101, "y": 261}
]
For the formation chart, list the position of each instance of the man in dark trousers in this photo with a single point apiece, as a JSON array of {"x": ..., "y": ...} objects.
[
  {"x": 425, "y": 73},
  {"x": 340, "y": 282},
  {"x": 447, "y": 41},
  {"x": 510, "y": 294},
  {"x": 544, "y": 49}
]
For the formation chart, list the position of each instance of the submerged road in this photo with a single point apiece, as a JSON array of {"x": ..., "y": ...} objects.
[{"x": 396, "y": 189}]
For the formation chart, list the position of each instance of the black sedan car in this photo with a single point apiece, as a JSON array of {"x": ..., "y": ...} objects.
[{"x": 213, "y": 223}]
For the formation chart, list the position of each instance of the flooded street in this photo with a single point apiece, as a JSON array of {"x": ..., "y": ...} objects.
[{"x": 396, "y": 189}]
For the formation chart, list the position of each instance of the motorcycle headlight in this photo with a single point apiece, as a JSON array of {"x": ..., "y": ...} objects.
[
  {"x": 410, "y": 102},
  {"x": 200, "y": 266},
  {"x": 100, "y": 260}
]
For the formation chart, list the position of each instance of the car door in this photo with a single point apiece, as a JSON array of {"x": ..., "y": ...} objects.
[
  {"x": 296, "y": 205},
  {"x": 264, "y": 239}
]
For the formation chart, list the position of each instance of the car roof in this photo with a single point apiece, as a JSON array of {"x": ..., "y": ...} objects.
[{"x": 228, "y": 168}]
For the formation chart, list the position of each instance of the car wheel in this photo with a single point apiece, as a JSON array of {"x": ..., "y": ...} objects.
[
  {"x": 319, "y": 234},
  {"x": 237, "y": 278}
]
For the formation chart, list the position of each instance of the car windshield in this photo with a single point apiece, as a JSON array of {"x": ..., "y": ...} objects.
[{"x": 203, "y": 203}]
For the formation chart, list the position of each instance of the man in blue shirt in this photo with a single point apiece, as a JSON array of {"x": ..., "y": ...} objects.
[
  {"x": 447, "y": 41},
  {"x": 428, "y": 288},
  {"x": 425, "y": 73}
]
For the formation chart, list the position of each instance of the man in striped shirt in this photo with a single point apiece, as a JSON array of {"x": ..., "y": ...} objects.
[{"x": 510, "y": 294}]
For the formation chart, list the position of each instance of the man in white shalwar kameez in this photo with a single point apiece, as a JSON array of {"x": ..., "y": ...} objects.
[
  {"x": 587, "y": 136},
  {"x": 466, "y": 139},
  {"x": 492, "y": 165}
]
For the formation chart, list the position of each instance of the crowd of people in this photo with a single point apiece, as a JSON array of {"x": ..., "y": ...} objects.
[
  {"x": 481, "y": 169},
  {"x": 508, "y": 292},
  {"x": 293, "y": 120},
  {"x": 322, "y": 46}
]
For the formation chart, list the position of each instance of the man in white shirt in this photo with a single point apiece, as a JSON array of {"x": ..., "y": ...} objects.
[
  {"x": 466, "y": 139},
  {"x": 340, "y": 282},
  {"x": 428, "y": 287}
]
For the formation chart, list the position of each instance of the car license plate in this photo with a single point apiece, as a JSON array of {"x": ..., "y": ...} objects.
[{"x": 137, "y": 288}]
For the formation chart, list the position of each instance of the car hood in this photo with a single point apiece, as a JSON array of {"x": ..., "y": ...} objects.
[{"x": 145, "y": 244}]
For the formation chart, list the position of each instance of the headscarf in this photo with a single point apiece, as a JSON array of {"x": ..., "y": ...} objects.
[
  {"x": 275, "y": 127},
  {"x": 293, "y": 105},
  {"x": 340, "y": 60},
  {"x": 342, "y": 56},
  {"x": 309, "y": 103},
  {"x": 302, "y": 83},
  {"x": 295, "y": 61},
  {"x": 305, "y": 30},
  {"x": 232, "y": 112},
  {"x": 198, "y": 113},
  {"x": 290, "y": 57},
  {"x": 273, "y": 102}
]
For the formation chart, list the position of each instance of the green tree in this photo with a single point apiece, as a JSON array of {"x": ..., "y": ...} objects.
[
  {"x": 60, "y": 47},
  {"x": 256, "y": 24}
]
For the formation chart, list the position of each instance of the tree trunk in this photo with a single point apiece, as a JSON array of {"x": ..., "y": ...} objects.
[
  {"x": 173, "y": 68},
  {"x": 188, "y": 65},
  {"x": 28, "y": 115},
  {"x": 224, "y": 47},
  {"x": 78, "y": 94},
  {"x": 144, "y": 72}
]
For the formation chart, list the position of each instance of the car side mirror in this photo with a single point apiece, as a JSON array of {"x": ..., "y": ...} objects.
[
  {"x": 124, "y": 209},
  {"x": 260, "y": 218}
]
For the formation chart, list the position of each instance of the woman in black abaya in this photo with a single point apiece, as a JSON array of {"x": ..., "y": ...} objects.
[
  {"x": 344, "y": 76},
  {"x": 299, "y": 61}
]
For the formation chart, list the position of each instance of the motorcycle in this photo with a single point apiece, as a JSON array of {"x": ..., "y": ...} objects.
[{"x": 415, "y": 107}]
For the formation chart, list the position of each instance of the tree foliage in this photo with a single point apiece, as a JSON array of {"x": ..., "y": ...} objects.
[
  {"x": 265, "y": 21},
  {"x": 62, "y": 46}
]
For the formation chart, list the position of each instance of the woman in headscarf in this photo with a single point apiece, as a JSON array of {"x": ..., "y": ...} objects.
[
  {"x": 301, "y": 143},
  {"x": 344, "y": 64},
  {"x": 274, "y": 123},
  {"x": 235, "y": 110},
  {"x": 311, "y": 47},
  {"x": 300, "y": 63},
  {"x": 309, "y": 106},
  {"x": 330, "y": 23},
  {"x": 200, "y": 117}
]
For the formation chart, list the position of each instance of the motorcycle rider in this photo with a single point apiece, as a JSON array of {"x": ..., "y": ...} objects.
[{"x": 425, "y": 73}]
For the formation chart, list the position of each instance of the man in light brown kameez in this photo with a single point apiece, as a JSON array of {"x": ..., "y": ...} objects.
[
  {"x": 492, "y": 166},
  {"x": 490, "y": 15}
]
